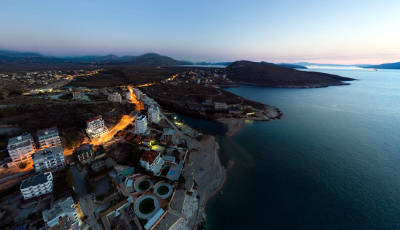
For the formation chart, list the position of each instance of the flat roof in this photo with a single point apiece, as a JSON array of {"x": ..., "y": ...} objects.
[
  {"x": 83, "y": 148},
  {"x": 43, "y": 132},
  {"x": 95, "y": 118},
  {"x": 46, "y": 152},
  {"x": 40, "y": 178},
  {"x": 20, "y": 139},
  {"x": 60, "y": 207}
]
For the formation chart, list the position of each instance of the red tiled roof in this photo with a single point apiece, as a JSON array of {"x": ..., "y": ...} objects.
[{"x": 149, "y": 156}]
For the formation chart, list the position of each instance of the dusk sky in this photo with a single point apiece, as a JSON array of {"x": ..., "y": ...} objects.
[{"x": 340, "y": 31}]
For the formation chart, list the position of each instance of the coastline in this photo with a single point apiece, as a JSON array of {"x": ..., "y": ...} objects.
[
  {"x": 234, "y": 125},
  {"x": 205, "y": 170},
  {"x": 310, "y": 86}
]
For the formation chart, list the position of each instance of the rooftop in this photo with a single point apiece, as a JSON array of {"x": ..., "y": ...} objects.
[
  {"x": 61, "y": 207},
  {"x": 44, "y": 132},
  {"x": 47, "y": 152},
  {"x": 168, "y": 131},
  {"x": 40, "y": 178},
  {"x": 21, "y": 140},
  {"x": 149, "y": 156},
  {"x": 84, "y": 148},
  {"x": 95, "y": 118},
  {"x": 141, "y": 117}
]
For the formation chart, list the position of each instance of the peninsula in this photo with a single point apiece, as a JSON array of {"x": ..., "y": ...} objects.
[{"x": 271, "y": 75}]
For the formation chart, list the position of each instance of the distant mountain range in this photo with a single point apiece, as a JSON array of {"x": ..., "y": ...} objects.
[
  {"x": 395, "y": 65},
  {"x": 16, "y": 59},
  {"x": 13, "y": 58},
  {"x": 272, "y": 75}
]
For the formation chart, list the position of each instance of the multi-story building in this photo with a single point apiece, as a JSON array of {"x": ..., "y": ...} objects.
[
  {"x": 128, "y": 95},
  {"x": 48, "y": 137},
  {"x": 51, "y": 158},
  {"x": 152, "y": 161},
  {"x": 169, "y": 136},
  {"x": 76, "y": 95},
  {"x": 137, "y": 93},
  {"x": 62, "y": 215},
  {"x": 141, "y": 124},
  {"x": 96, "y": 127},
  {"x": 154, "y": 114},
  {"x": 37, "y": 185},
  {"x": 115, "y": 97},
  {"x": 21, "y": 148},
  {"x": 84, "y": 153},
  {"x": 220, "y": 106}
]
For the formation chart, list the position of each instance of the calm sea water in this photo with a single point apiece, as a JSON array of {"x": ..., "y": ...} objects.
[{"x": 331, "y": 162}]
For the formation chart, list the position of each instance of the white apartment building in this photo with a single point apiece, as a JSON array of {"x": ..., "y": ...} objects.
[
  {"x": 21, "y": 148},
  {"x": 128, "y": 95},
  {"x": 152, "y": 161},
  {"x": 154, "y": 114},
  {"x": 220, "y": 106},
  {"x": 63, "y": 214},
  {"x": 37, "y": 185},
  {"x": 96, "y": 127},
  {"x": 51, "y": 158},
  {"x": 48, "y": 137},
  {"x": 76, "y": 95},
  {"x": 141, "y": 124},
  {"x": 115, "y": 97},
  {"x": 137, "y": 93}
]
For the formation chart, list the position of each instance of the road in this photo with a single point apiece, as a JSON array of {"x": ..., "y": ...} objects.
[
  {"x": 80, "y": 184},
  {"x": 88, "y": 209}
]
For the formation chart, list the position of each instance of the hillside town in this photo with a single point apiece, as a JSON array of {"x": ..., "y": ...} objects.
[
  {"x": 101, "y": 185},
  {"x": 42, "y": 79},
  {"x": 122, "y": 158}
]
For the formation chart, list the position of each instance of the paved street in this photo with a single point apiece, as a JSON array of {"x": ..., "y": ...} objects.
[{"x": 86, "y": 204}]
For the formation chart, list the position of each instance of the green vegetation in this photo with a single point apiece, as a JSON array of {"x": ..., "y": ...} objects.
[
  {"x": 144, "y": 185},
  {"x": 162, "y": 190},
  {"x": 147, "y": 206},
  {"x": 22, "y": 165},
  {"x": 8, "y": 111},
  {"x": 66, "y": 96}
]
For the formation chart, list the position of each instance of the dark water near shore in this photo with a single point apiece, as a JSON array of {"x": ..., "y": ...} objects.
[{"x": 331, "y": 162}]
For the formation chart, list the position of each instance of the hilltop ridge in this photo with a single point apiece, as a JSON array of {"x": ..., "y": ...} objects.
[{"x": 268, "y": 74}]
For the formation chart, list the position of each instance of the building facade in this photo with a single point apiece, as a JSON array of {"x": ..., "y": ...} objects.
[
  {"x": 76, "y": 95},
  {"x": 49, "y": 137},
  {"x": 62, "y": 215},
  {"x": 141, "y": 124},
  {"x": 115, "y": 97},
  {"x": 152, "y": 161},
  {"x": 37, "y": 185},
  {"x": 96, "y": 127},
  {"x": 51, "y": 158},
  {"x": 220, "y": 106},
  {"x": 154, "y": 114},
  {"x": 84, "y": 153},
  {"x": 21, "y": 148}
]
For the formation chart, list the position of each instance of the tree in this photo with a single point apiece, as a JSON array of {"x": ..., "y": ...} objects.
[{"x": 22, "y": 165}]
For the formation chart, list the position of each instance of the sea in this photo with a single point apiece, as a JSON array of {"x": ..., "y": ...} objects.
[{"x": 331, "y": 162}]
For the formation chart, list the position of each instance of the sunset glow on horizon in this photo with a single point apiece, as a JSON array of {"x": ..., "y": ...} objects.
[{"x": 340, "y": 32}]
